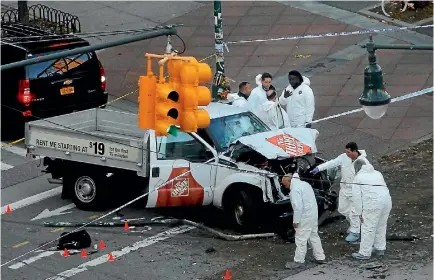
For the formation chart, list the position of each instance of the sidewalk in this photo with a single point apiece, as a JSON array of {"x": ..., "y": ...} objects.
[
  {"x": 344, "y": 271},
  {"x": 335, "y": 66}
]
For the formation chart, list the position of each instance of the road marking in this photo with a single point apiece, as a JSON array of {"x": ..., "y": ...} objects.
[
  {"x": 93, "y": 217},
  {"x": 116, "y": 254},
  {"x": 5, "y": 166},
  {"x": 20, "y": 244},
  {"x": 33, "y": 259},
  {"x": 33, "y": 199},
  {"x": 57, "y": 229},
  {"x": 56, "y": 212},
  {"x": 15, "y": 150}
]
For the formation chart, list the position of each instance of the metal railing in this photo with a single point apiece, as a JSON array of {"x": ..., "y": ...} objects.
[{"x": 53, "y": 20}]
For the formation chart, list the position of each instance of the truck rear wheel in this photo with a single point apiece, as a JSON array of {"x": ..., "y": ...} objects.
[{"x": 89, "y": 191}]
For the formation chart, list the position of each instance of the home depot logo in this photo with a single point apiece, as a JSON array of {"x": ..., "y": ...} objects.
[
  {"x": 180, "y": 188},
  {"x": 290, "y": 145}
]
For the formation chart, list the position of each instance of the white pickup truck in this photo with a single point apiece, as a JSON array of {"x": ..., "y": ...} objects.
[{"x": 85, "y": 150}]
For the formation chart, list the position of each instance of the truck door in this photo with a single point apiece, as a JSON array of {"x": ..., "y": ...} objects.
[{"x": 181, "y": 156}]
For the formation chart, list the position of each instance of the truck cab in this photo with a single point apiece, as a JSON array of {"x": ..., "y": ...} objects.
[{"x": 234, "y": 164}]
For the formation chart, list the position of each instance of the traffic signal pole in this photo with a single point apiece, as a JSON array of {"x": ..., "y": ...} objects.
[
  {"x": 220, "y": 61},
  {"x": 167, "y": 30}
]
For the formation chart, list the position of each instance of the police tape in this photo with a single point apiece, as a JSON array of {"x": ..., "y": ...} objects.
[
  {"x": 331, "y": 34},
  {"x": 396, "y": 99}
]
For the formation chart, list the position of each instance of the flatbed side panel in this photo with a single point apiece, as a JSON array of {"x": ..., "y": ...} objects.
[
  {"x": 82, "y": 120},
  {"x": 124, "y": 123},
  {"x": 87, "y": 148}
]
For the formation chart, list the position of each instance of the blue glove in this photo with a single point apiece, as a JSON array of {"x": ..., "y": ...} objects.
[{"x": 315, "y": 171}]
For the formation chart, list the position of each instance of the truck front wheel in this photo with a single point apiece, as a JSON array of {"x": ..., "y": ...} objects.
[
  {"x": 89, "y": 192},
  {"x": 243, "y": 210}
]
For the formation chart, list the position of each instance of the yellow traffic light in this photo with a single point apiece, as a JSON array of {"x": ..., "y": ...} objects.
[
  {"x": 193, "y": 95},
  {"x": 147, "y": 90},
  {"x": 166, "y": 108}
]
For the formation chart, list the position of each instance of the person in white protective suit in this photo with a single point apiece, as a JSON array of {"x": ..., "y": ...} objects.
[
  {"x": 240, "y": 98},
  {"x": 305, "y": 220},
  {"x": 259, "y": 93},
  {"x": 298, "y": 100},
  {"x": 272, "y": 113},
  {"x": 372, "y": 202},
  {"x": 345, "y": 205}
]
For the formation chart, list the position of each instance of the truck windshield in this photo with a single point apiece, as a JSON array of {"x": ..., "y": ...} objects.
[{"x": 227, "y": 129}]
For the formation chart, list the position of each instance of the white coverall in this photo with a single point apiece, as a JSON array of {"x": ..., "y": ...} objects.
[
  {"x": 373, "y": 203},
  {"x": 300, "y": 105},
  {"x": 273, "y": 115},
  {"x": 237, "y": 101},
  {"x": 345, "y": 204},
  {"x": 257, "y": 97},
  {"x": 305, "y": 210}
]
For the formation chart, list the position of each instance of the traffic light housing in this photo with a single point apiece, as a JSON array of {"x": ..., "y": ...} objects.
[
  {"x": 192, "y": 95},
  {"x": 165, "y": 106},
  {"x": 158, "y": 104}
]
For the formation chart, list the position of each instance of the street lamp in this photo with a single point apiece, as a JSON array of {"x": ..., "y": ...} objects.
[{"x": 374, "y": 98}]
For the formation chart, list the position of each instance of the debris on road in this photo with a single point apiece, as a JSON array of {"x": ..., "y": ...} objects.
[
  {"x": 163, "y": 221},
  {"x": 74, "y": 240}
]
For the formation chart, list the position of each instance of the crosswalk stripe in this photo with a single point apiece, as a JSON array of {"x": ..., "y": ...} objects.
[
  {"x": 33, "y": 259},
  {"x": 5, "y": 166}
]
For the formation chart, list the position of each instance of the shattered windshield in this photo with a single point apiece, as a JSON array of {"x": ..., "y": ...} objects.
[{"x": 227, "y": 129}]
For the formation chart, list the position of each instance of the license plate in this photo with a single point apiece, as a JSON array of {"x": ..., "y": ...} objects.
[{"x": 66, "y": 90}]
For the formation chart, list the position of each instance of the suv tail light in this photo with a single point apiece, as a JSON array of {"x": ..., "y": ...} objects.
[
  {"x": 24, "y": 96},
  {"x": 103, "y": 79}
]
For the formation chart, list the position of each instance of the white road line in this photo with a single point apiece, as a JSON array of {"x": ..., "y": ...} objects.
[
  {"x": 116, "y": 254},
  {"x": 15, "y": 150},
  {"x": 33, "y": 259},
  {"x": 5, "y": 166},
  {"x": 33, "y": 199}
]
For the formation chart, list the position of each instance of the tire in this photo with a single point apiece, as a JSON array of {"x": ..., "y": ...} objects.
[
  {"x": 243, "y": 210},
  {"x": 89, "y": 190}
]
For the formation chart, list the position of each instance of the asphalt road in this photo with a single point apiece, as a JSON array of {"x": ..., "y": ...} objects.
[{"x": 158, "y": 252}]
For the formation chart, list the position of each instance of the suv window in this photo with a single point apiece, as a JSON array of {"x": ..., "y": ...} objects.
[
  {"x": 58, "y": 67},
  {"x": 183, "y": 146}
]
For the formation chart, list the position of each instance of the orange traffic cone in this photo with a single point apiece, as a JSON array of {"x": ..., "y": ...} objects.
[
  {"x": 126, "y": 227},
  {"x": 65, "y": 253},
  {"x": 83, "y": 253},
  {"x": 8, "y": 210},
  {"x": 228, "y": 275},
  {"x": 101, "y": 245},
  {"x": 111, "y": 258}
]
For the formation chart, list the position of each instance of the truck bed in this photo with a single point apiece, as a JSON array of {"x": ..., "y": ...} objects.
[{"x": 96, "y": 136}]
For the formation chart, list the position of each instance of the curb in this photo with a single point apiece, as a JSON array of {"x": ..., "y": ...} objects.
[{"x": 366, "y": 12}]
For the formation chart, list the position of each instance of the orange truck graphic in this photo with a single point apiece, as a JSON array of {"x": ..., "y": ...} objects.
[{"x": 183, "y": 191}]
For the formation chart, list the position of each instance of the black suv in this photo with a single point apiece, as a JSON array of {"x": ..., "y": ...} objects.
[{"x": 49, "y": 88}]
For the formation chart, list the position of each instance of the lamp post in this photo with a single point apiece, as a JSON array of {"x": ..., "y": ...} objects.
[{"x": 374, "y": 98}]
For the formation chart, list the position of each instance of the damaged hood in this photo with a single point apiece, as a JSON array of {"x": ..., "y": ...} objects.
[{"x": 282, "y": 143}]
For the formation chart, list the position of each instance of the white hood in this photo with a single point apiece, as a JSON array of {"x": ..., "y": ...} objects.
[
  {"x": 258, "y": 80},
  {"x": 282, "y": 143}
]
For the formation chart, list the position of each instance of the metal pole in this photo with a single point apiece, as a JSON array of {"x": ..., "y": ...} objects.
[
  {"x": 147, "y": 35},
  {"x": 400, "y": 47},
  {"x": 218, "y": 36}
]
